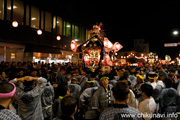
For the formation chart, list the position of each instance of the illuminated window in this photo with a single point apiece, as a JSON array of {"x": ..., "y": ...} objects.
[
  {"x": 73, "y": 31},
  {"x": 48, "y": 21},
  {"x": 59, "y": 25},
  {"x": 67, "y": 28},
  {"x": 54, "y": 24},
  {"x": 9, "y": 10},
  {"x": 1, "y": 9},
  {"x": 34, "y": 17},
  {"x": 64, "y": 28},
  {"x": 18, "y": 12},
  {"x": 76, "y": 32},
  {"x": 42, "y": 20},
  {"x": 82, "y": 34}
]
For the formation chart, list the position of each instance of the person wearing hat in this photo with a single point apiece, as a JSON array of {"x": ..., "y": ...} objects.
[
  {"x": 132, "y": 78},
  {"x": 142, "y": 73},
  {"x": 74, "y": 87},
  {"x": 85, "y": 100},
  {"x": 136, "y": 89},
  {"x": 7, "y": 92},
  {"x": 102, "y": 98},
  {"x": 157, "y": 85},
  {"x": 28, "y": 96},
  {"x": 153, "y": 77},
  {"x": 91, "y": 77}
]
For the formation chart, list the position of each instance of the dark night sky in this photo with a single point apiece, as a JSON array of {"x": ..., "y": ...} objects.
[{"x": 126, "y": 20}]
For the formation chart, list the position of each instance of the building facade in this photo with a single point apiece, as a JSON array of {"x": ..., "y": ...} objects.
[{"x": 22, "y": 43}]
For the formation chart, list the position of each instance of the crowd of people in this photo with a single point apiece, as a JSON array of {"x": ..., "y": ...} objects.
[{"x": 38, "y": 91}]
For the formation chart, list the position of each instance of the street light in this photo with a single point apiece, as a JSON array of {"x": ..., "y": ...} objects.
[{"x": 175, "y": 32}]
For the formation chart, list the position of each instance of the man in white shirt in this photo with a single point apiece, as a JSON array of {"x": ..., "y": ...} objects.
[{"x": 148, "y": 105}]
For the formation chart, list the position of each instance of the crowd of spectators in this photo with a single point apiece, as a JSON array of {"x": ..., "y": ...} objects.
[{"x": 41, "y": 91}]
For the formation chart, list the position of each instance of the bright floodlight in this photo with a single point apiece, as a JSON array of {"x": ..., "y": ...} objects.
[{"x": 175, "y": 32}]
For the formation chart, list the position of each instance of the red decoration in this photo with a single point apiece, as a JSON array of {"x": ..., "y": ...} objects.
[
  {"x": 107, "y": 45},
  {"x": 117, "y": 46},
  {"x": 73, "y": 46},
  {"x": 86, "y": 57}
]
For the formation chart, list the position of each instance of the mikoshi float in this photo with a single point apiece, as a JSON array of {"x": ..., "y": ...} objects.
[{"x": 98, "y": 51}]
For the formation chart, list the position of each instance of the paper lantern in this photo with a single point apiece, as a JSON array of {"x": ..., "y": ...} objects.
[
  {"x": 58, "y": 37},
  {"x": 117, "y": 46},
  {"x": 107, "y": 45},
  {"x": 73, "y": 46},
  {"x": 15, "y": 24},
  {"x": 39, "y": 32}
]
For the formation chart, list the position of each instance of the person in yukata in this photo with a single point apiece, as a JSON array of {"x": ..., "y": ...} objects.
[
  {"x": 169, "y": 98},
  {"x": 28, "y": 96},
  {"x": 85, "y": 100},
  {"x": 75, "y": 89},
  {"x": 178, "y": 82},
  {"x": 131, "y": 100},
  {"x": 84, "y": 82},
  {"x": 102, "y": 98},
  {"x": 136, "y": 89},
  {"x": 120, "y": 107},
  {"x": 47, "y": 98},
  {"x": 7, "y": 94},
  {"x": 63, "y": 91}
]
